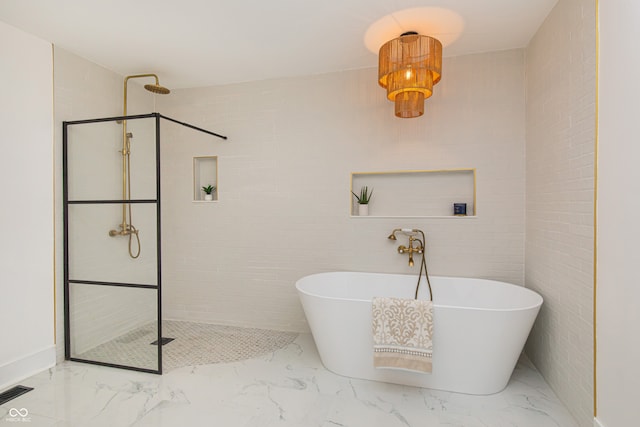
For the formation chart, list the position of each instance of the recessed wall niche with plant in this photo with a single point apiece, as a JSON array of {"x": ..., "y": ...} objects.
[
  {"x": 205, "y": 179},
  {"x": 432, "y": 193}
]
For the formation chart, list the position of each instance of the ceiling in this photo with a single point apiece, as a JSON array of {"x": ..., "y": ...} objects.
[{"x": 193, "y": 43}]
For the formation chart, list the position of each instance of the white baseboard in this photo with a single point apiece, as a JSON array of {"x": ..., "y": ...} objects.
[
  {"x": 597, "y": 423},
  {"x": 17, "y": 370}
]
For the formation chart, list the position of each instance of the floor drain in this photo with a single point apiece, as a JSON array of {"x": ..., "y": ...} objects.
[
  {"x": 13, "y": 392},
  {"x": 163, "y": 341}
]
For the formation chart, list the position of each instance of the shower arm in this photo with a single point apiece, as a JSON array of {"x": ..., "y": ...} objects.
[
  {"x": 135, "y": 76},
  {"x": 125, "y": 146}
]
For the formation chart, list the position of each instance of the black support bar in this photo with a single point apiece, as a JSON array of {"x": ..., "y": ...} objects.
[
  {"x": 123, "y": 285},
  {"x": 192, "y": 126},
  {"x": 106, "y": 202},
  {"x": 143, "y": 116}
]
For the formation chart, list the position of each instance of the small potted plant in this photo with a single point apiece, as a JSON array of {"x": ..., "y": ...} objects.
[
  {"x": 208, "y": 192},
  {"x": 363, "y": 200}
]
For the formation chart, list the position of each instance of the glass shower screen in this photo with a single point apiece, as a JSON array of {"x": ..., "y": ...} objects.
[{"x": 112, "y": 274}]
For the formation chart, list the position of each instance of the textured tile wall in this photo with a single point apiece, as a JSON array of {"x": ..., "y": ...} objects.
[
  {"x": 560, "y": 67},
  {"x": 84, "y": 90},
  {"x": 284, "y": 176}
]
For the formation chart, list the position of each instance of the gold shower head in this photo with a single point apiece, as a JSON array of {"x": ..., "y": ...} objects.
[
  {"x": 154, "y": 88},
  {"x": 157, "y": 89}
]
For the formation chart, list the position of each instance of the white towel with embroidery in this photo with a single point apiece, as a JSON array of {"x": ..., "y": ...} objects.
[{"x": 402, "y": 333}]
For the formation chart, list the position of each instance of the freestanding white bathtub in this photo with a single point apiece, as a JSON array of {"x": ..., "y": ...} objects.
[{"x": 479, "y": 327}]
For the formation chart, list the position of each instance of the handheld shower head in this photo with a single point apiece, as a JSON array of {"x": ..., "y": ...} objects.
[
  {"x": 406, "y": 231},
  {"x": 161, "y": 90}
]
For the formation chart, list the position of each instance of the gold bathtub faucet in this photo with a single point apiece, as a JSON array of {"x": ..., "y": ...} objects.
[
  {"x": 416, "y": 246},
  {"x": 411, "y": 249}
]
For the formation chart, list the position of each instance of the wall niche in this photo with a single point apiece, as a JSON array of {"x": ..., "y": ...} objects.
[
  {"x": 205, "y": 173},
  {"x": 417, "y": 193}
]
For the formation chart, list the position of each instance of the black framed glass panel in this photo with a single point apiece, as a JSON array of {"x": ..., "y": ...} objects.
[{"x": 112, "y": 242}]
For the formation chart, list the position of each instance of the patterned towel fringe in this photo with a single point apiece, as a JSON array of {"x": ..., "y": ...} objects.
[{"x": 413, "y": 352}]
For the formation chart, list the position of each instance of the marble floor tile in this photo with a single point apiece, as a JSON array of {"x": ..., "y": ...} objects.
[{"x": 286, "y": 388}]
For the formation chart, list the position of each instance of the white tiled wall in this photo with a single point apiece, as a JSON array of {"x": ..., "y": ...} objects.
[
  {"x": 560, "y": 187},
  {"x": 284, "y": 176},
  {"x": 84, "y": 90}
]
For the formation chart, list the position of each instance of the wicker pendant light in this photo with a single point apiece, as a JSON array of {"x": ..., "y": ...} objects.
[{"x": 408, "y": 68}]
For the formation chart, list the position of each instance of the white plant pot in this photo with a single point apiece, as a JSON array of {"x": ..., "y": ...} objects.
[
  {"x": 208, "y": 197},
  {"x": 363, "y": 210}
]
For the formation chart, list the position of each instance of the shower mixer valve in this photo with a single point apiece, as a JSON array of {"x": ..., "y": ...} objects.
[{"x": 124, "y": 231}]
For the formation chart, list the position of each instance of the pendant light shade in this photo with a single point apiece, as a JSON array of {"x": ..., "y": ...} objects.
[{"x": 408, "y": 68}]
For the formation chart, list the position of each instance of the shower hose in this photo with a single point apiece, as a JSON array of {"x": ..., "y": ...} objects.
[{"x": 423, "y": 267}]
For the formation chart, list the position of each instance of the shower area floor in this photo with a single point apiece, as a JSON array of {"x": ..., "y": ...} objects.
[{"x": 192, "y": 344}]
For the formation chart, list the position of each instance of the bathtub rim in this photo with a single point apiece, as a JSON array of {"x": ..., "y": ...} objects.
[{"x": 535, "y": 294}]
